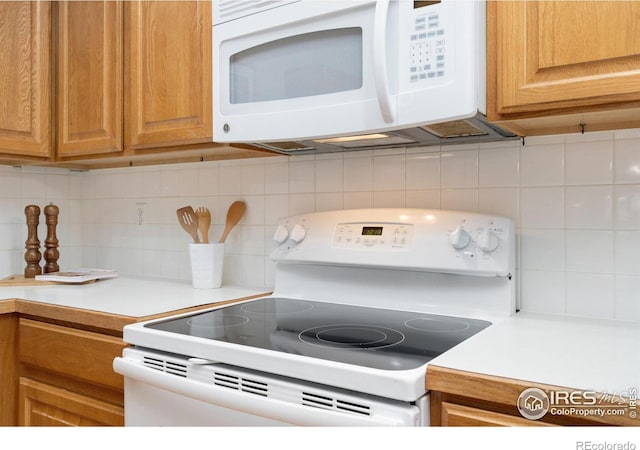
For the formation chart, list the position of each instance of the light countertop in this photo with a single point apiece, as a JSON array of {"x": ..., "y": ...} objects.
[
  {"x": 127, "y": 296},
  {"x": 585, "y": 354}
]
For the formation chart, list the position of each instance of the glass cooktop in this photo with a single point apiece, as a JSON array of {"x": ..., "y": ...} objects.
[{"x": 371, "y": 337}]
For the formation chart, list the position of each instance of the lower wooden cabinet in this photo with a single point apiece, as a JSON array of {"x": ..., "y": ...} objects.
[
  {"x": 454, "y": 415},
  {"x": 79, "y": 354},
  {"x": 8, "y": 369},
  {"x": 66, "y": 376},
  {"x": 44, "y": 405},
  {"x": 459, "y": 398}
]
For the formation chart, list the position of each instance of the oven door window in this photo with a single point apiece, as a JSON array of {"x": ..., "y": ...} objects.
[{"x": 304, "y": 65}]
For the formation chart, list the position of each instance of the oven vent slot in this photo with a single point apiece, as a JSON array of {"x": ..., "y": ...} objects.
[
  {"x": 166, "y": 366},
  {"x": 240, "y": 384},
  {"x": 334, "y": 404}
]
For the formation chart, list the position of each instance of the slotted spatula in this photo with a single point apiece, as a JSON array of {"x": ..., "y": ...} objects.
[{"x": 189, "y": 221}]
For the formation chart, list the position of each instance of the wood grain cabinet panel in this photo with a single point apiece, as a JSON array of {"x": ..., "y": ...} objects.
[
  {"x": 168, "y": 73},
  {"x": 8, "y": 369},
  {"x": 563, "y": 65},
  {"x": 90, "y": 77},
  {"x": 25, "y": 78},
  {"x": 45, "y": 405},
  {"x": 79, "y": 354},
  {"x": 460, "y": 398},
  {"x": 454, "y": 415}
]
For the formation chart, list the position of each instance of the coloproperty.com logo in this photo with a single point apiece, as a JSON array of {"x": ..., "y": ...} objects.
[{"x": 534, "y": 403}]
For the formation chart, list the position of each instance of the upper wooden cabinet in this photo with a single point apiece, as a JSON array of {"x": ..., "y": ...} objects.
[
  {"x": 152, "y": 57},
  {"x": 168, "y": 73},
  {"x": 25, "y": 78},
  {"x": 80, "y": 80},
  {"x": 558, "y": 66},
  {"x": 90, "y": 78}
]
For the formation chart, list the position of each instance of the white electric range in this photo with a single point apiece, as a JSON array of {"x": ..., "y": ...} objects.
[{"x": 363, "y": 300}]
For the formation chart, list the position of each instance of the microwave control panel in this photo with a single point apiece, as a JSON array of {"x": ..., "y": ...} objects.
[{"x": 428, "y": 48}]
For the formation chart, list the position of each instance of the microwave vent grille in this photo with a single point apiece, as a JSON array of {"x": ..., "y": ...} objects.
[
  {"x": 456, "y": 128},
  {"x": 289, "y": 146}
]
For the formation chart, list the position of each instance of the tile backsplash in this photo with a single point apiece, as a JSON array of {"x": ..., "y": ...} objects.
[
  {"x": 22, "y": 186},
  {"x": 575, "y": 199}
]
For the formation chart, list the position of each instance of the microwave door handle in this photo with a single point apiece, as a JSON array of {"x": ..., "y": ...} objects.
[{"x": 380, "y": 60}]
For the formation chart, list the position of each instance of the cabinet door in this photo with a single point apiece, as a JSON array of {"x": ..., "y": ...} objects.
[
  {"x": 167, "y": 73},
  {"x": 89, "y": 91},
  {"x": 559, "y": 58},
  {"x": 25, "y": 78},
  {"x": 45, "y": 405}
]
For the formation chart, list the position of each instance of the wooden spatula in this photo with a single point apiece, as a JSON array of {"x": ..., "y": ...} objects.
[
  {"x": 189, "y": 221},
  {"x": 234, "y": 214}
]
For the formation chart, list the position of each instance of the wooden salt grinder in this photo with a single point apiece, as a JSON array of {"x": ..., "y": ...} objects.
[
  {"x": 51, "y": 254},
  {"x": 32, "y": 256}
]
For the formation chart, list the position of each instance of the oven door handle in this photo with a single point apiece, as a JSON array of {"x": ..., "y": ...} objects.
[{"x": 248, "y": 403}]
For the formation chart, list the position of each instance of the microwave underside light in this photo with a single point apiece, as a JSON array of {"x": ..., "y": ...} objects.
[{"x": 366, "y": 140}]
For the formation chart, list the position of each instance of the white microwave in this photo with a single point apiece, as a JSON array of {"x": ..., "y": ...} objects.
[{"x": 303, "y": 70}]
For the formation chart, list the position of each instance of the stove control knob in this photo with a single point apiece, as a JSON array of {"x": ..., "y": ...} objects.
[
  {"x": 487, "y": 240},
  {"x": 459, "y": 238},
  {"x": 298, "y": 234},
  {"x": 281, "y": 234}
]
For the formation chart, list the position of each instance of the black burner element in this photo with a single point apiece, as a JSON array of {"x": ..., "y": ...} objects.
[{"x": 351, "y": 336}]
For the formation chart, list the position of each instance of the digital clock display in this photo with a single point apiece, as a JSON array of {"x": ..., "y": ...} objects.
[{"x": 372, "y": 231}]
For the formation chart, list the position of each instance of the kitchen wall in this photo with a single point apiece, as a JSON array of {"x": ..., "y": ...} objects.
[
  {"x": 22, "y": 186},
  {"x": 575, "y": 200}
]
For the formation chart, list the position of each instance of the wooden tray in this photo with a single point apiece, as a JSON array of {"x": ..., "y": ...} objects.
[{"x": 20, "y": 280}]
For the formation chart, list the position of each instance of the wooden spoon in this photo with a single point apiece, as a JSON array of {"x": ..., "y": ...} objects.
[
  {"x": 204, "y": 222},
  {"x": 234, "y": 214},
  {"x": 189, "y": 221}
]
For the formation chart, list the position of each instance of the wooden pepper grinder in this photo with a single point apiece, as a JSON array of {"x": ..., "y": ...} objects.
[
  {"x": 32, "y": 256},
  {"x": 51, "y": 254}
]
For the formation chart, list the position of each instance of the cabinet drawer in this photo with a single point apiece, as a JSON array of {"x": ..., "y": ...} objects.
[
  {"x": 75, "y": 353},
  {"x": 45, "y": 405},
  {"x": 454, "y": 415}
]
